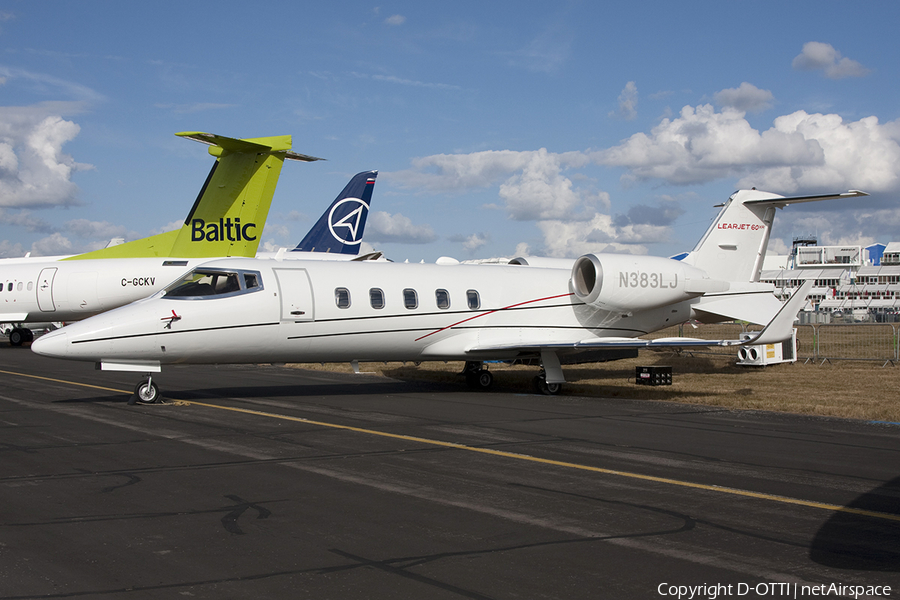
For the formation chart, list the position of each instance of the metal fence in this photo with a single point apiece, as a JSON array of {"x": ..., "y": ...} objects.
[{"x": 819, "y": 342}]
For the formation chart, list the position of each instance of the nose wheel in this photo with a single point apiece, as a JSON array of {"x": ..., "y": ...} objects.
[{"x": 145, "y": 392}]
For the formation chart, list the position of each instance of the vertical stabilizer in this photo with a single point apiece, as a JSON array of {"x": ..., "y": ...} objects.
[
  {"x": 734, "y": 246},
  {"x": 341, "y": 228},
  {"x": 230, "y": 212}
]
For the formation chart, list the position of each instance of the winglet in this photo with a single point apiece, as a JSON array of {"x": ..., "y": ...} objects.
[{"x": 781, "y": 326}]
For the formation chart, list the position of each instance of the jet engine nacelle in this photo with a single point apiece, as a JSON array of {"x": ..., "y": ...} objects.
[{"x": 632, "y": 283}]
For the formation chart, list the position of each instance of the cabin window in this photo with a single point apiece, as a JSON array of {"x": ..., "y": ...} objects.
[
  {"x": 9, "y": 287},
  {"x": 442, "y": 297},
  {"x": 410, "y": 298},
  {"x": 19, "y": 287},
  {"x": 30, "y": 286},
  {"x": 473, "y": 299},
  {"x": 342, "y": 297},
  {"x": 207, "y": 282},
  {"x": 376, "y": 298}
]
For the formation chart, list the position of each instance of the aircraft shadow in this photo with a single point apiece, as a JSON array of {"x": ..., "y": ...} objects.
[
  {"x": 849, "y": 541},
  {"x": 302, "y": 390},
  {"x": 112, "y": 399}
]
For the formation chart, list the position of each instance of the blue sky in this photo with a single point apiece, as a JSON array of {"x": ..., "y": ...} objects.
[{"x": 497, "y": 128}]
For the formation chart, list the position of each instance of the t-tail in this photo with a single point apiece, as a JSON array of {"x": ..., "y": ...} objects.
[
  {"x": 734, "y": 246},
  {"x": 230, "y": 211},
  {"x": 340, "y": 230}
]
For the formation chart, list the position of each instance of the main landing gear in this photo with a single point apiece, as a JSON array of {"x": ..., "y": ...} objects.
[
  {"x": 542, "y": 387},
  {"x": 477, "y": 377},
  {"x": 145, "y": 392},
  {"x": 20, "y": 335}
]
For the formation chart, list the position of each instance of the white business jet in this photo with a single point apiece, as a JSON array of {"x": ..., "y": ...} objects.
[{"x": 312, "y": 311}]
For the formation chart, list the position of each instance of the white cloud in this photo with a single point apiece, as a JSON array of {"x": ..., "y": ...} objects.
[
  {"x": 11, "y": 250},
  {"x": 171, "y": 226},
  {"x": 569, "y": 239},
  {"x": 52, "y": 245},
  {"x": 747, "y": 97},
  {"x": 384, "y": 227},
  {"x": 799, "y": 153},
  {"x": 95, "y": 230},
  {"x": 278, "y": 230},
  {"x": 627, "y": 103},
  {"x": 33, "y": 169},
  {"x": 25, "y": 220},
  {"x": 460, "y": 172},
  {"x": 808, "y": 151},
  {"x": 471, "y": 242},
  {"x": 820, "y": 56},
  {"x": 859, "y": 154},
  {"x": 395, "y": 20}
]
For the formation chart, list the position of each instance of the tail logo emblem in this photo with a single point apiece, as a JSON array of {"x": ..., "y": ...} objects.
[{"x": 339, "y": 217}]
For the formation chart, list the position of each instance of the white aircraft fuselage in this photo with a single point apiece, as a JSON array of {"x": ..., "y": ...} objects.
[
  {"x": 312, "y": 311},
  {"x": 36, "y": 291}
]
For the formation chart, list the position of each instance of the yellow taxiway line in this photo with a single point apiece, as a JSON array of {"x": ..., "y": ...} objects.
[{"x": 515, "y": 455}]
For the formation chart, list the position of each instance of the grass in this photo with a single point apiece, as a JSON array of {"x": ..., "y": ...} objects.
[{"x": 848, "y": 389}]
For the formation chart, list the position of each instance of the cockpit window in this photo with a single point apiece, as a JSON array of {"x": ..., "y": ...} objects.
[{"x": 208, "y": 282}]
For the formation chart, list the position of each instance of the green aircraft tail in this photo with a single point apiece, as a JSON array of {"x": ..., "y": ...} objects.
[{"x": 230, "y": 212}]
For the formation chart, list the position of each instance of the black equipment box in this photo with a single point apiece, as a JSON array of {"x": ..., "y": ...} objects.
[{"x": 653, "y": 375}]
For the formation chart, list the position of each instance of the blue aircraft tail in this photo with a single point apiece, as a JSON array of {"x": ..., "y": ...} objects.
[{"x": 341, "y": 228}]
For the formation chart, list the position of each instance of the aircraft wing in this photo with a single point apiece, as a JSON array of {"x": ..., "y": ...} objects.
[{"x": 777, "y": 330}]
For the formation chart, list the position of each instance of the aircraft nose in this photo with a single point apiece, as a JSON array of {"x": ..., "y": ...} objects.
[{"x": 55, "y": 344}]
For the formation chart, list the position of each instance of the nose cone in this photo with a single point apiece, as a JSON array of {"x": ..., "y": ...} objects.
[{"x": 55, "y": 344}]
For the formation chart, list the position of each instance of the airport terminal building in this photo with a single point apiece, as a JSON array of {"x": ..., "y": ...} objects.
[{"x": 852, "y": 283}]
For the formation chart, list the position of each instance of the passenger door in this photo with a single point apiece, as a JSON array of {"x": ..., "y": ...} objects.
[
  {"x": 295, "y": 291},
  {"x": 45, "y": 289}
]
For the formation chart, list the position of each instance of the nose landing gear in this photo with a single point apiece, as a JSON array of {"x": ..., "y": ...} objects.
[{"x": 145, "y": 392}]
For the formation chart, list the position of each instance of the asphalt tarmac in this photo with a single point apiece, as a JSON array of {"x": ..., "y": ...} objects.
[{"x": 274, "y": 482}]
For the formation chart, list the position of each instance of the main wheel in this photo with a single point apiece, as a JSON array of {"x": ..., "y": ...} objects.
[
  {"x": 479, "y": 380},
  {"x": 542, "y": 387},
  {"x": 145, "y": 392},
  {"x": 16, "y": 337}
]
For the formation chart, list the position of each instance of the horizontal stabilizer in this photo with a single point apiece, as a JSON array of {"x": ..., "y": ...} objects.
[
  {"x": 752, "y": 306},
  {"x": 787, "y": 200},
  {"x": 280, "y": 143}
]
